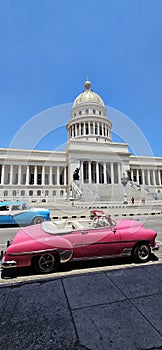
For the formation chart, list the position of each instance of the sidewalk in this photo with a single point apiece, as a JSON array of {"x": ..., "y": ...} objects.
[{"x": 118, "y": 309}]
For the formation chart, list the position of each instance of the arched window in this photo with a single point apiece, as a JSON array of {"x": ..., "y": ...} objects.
[
  {"x": 46, "y": 193},
  {"x": 22, "y": 193},
  {"x": 54, "y": 193},
  {"x": 30, "y": 193},
  {"x": 38, "y": 193},
  {"x": 5, "y": 193}
]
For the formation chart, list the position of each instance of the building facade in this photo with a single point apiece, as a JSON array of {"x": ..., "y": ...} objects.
[{"x": 47, "y": 175}]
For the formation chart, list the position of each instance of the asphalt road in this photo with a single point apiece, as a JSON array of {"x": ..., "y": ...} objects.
[{"x": 153, "y": 222}]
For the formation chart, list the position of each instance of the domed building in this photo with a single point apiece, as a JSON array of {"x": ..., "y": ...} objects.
[{"x": 99, "y": 163}]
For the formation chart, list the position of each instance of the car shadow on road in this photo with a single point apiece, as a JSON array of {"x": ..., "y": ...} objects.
[{"x": 75, "y": 266}]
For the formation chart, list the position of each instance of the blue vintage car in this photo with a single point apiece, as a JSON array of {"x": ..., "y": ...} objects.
[{"x": 18, "y": 213}]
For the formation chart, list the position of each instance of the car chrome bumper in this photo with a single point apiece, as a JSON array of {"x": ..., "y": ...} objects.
[
  {"x": 156, "y": 247},
  {"x": 8, "y": 264}
]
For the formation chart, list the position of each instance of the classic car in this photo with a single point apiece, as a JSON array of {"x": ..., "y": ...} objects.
[
  {"x": 49, "y": 244},
  {"x": 18, "y": 213}
]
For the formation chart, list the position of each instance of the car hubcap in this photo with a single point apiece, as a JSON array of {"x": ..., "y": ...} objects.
[
  {"x": 46, "y": 262},
  {"x": 143, "y": 252}
]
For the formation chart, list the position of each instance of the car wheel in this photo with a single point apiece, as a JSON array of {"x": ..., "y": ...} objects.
[
  {"x": 46, "y": 263},
  {"x": 142, "y": 253},
  {"x": 37, "y": 220}
]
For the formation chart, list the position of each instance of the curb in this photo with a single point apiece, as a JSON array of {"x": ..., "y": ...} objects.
[{"x": 114, "y": 215}]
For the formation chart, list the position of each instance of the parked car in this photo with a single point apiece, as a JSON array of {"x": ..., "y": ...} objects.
[
  {"x": 49, "y": 244},
  {"x": 18, "y": 213}
]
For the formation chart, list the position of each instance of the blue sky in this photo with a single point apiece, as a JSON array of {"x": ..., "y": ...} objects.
[{"x": 49, "y": 47}]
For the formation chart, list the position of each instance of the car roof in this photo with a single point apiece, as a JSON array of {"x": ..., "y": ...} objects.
[{"x": 10, "y": 203}]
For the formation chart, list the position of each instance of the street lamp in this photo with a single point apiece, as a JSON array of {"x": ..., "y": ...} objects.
[{"x": 124, "y": 181}]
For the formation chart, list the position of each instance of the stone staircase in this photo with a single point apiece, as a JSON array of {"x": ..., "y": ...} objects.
[{"x": 111, "y": 193}]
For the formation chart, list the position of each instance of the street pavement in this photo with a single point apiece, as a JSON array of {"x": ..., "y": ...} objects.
[{"x": 117, "y": 309}]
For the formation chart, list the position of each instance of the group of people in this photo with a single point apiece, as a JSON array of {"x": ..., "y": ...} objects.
[{"x": 142, "y": 200}]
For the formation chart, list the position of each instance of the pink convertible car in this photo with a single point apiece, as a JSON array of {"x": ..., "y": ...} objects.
[{"x": 49, "y": 244}]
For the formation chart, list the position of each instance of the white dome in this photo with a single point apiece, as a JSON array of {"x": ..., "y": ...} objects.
[{"x": 88, "y": 96}]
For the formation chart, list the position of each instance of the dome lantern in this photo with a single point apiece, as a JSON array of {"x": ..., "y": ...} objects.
[{"x": 87, "y": 85}]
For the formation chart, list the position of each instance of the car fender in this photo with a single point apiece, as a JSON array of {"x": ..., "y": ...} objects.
[{"x": 24, "y": 252}]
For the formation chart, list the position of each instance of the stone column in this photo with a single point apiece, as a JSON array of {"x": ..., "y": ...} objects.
[
  {"x": 50, "y": 176},
  {"x": 58, "y": 175},
  {"x": 72, "y": 131},
  {"x": 97, "y": 173},
  {"x": 148, "y": 176},
  {"x": 84, "y": 129},
  {"x": 102, "y": 129},
  {"x": 112, "y": 173},
  {"x": 154, "y": 178},
  {"x": 27, "y": 175},
  {"x": 105, "y": 178},
  {"x": 159, "y": 177},
  {"x": 11, "y": 174},
  {"x": 81, "y": 170},
  {"x": 93, "y": 128},
  {"x": 3, "y": 174},
  {"x": 35, "y": 175},
  {"x": 119, "y": 173},
  {"x": 19, "y": 175},
  {"x": 132, "y": 175},
  {"x": 137, "y": 176},
  {"x": 89, "y": 128},
  {"x": 98, "y": 128},
  {"x": 89, "y": 172},
  {"x": 43, "y": 175},
  {"x": 143, "y": 177},
  {"x": 65, "y": 176}
]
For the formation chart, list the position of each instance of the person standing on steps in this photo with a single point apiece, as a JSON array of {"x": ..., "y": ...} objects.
[{"x": 132, "y": 200}]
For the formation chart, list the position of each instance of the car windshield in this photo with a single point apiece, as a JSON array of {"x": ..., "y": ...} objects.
[{"x": 103, "y": 221}]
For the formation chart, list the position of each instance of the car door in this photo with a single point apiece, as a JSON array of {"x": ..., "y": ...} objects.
[
  {"x": 75, "y": 238},
  {"x": 104, "y": 241},
  {"x": 15, "y": 214}
]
